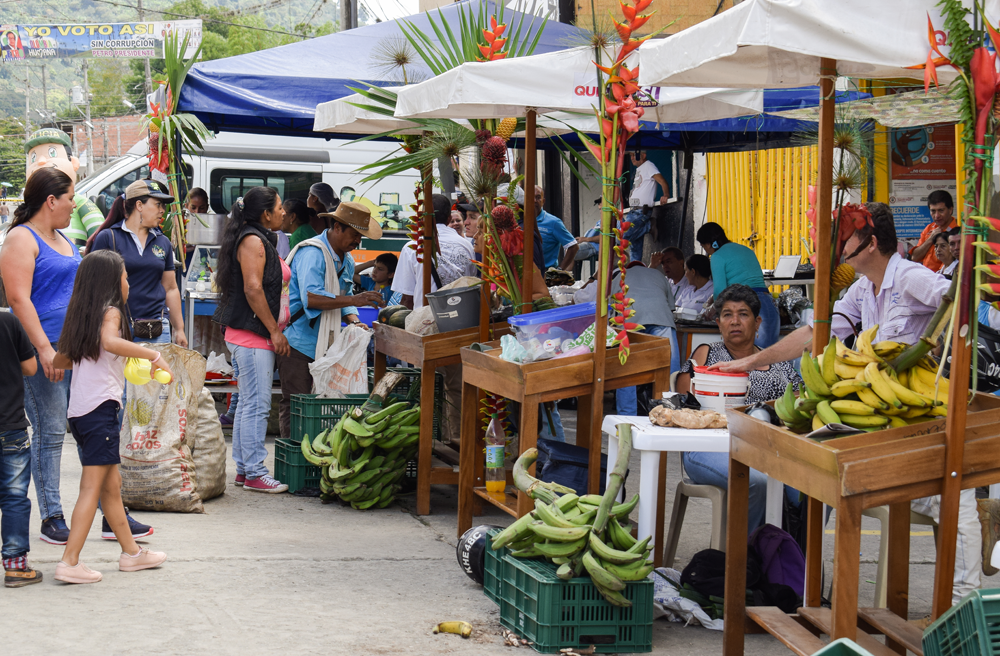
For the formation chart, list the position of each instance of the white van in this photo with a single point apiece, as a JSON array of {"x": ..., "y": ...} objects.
[{"x": 232, "y": 163}]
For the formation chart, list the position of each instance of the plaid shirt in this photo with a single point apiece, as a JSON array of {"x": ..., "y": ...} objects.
[{"x": 902, "y": 307}]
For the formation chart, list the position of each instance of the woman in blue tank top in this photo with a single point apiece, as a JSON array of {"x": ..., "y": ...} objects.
[
  {"x": 38, "y": 265},
  {"x": 735, "y": 264}
]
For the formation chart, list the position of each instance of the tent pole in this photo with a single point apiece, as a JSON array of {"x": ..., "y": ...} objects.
[
  {"x": 530, "y": 160},
  {"x": 824, "y": 206},
  {"x": 429, "y": 236},
  {"x": 958, "y": 395},
  {"x": 821, "y": 306}
]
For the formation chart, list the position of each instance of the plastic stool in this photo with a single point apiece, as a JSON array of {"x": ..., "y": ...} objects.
[
  {"x": 685, "y": 490},
  {"x": 881, "y": 513}
]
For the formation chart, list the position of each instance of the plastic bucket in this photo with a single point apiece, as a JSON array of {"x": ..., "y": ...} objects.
[
  {"x": 719, "y": 391},
  {"x": 455, "y": 309}
]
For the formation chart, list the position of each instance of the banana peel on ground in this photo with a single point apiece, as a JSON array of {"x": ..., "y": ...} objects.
[{"x": 463, "y": 629}]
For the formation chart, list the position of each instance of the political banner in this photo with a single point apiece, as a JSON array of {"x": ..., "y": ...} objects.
[
  {"x": 19, "y": 43},
  {"x": 922, "y": 161}
]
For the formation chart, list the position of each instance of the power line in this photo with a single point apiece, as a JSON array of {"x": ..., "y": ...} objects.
[{"x": 206, "y": 20}]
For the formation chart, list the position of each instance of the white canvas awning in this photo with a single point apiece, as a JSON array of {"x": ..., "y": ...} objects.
[
  {"x": 779, "y": 43},
  {"x": 343, "y": 116},
  {"x": 563, "y": 81}
]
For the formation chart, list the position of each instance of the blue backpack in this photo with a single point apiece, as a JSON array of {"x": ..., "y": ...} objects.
[{"x": 781, "y": 558}]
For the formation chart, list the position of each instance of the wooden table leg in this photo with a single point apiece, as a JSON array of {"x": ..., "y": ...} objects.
[
  {"x": 846, "y": 561},
  {"x": 528, "y": 440},
  {"x": 467, "y": 455},
  {"x": 898, "y": 583},
  {"x": 813, "y": 597},
  {"x": 426, "y": 448},
  {"x": 736, "y": 559},
  {"x": 380, "y": 365},
  {"x": 661, "y": 506},
  {"x": 583, "y": 421}
]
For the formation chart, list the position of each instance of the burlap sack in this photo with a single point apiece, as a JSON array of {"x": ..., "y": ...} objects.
[
  {"x": 209, "y": 451},
  {"x": 158, "y": 471}
]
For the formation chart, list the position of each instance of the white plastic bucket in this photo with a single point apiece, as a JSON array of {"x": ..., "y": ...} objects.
[{"x": 719, "y": 391}]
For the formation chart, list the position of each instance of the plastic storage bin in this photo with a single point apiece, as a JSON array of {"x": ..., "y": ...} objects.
[
  {"x": 549, "y": 333},
  {"x": 367, "y": 315},
  {"x": 310, "y": 415},
  {"x": 555, "y": 614},
  {"x": 843, "y": 647},
  {"x": 291, "y": 467},
  {"x": 971, "y": 628},
  {"x": 493, "y": 569}
]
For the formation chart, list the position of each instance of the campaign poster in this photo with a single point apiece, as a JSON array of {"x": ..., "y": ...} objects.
[
  {"x": 922, "y": 160},
  {"x": 19, "y": 43}
]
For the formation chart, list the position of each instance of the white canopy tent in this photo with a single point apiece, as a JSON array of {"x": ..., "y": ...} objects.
[
  {"x": 779, "y": 43},
  {"x": 562, "y": 81},
  {"x": 342, "y": 115}
]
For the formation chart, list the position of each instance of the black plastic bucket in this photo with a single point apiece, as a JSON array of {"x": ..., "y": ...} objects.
[{"x": 455, "y": 309}]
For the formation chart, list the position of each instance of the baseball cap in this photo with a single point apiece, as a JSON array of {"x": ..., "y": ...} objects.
[{"x": 149, "y": 188}]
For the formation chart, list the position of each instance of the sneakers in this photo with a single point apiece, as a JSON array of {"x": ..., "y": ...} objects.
[
  {"x": 139, "y": 530},
  {"x": 21, "y": 575},
  {"x": 54, "y": 530},
  {"x": 240, "y": 480},
  {"x": 226, "y": 420},
  {"x": 145, "y": 559},
  {"x": 265, "y": 484},
  {"x": 79, "y": 573},
  {"x": 989, "y": 517}
]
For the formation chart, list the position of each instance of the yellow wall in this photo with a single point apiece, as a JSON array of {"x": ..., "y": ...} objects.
[
  {"x": 762, "y": 194},
  {"x": 685, "y": 12}
]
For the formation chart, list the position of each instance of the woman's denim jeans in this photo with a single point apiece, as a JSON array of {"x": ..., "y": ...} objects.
[
  {"x": 15, "y": 507},
  {"x": 46, "y": 404},
  {"x": 256, "y": 368}
]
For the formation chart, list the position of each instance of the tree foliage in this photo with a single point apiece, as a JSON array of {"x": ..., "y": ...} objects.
[{"x": 12, "y": 154}]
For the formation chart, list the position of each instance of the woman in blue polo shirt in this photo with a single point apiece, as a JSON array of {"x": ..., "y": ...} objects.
[{"x": 133, "y": 232}]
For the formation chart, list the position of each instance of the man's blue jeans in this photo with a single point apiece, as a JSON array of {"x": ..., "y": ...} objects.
[
  {"x": 46, "y": 404},
  {"x": 626, "y": 402},
  {"x": 637, "y": 233},
  {"x": 256, "y": 368},
  {"x": 15, "y": 507}
]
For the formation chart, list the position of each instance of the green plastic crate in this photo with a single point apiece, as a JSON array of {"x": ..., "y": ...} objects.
[
  {"x": 843, "y": 647},
  {"x": 493, "y": 569},
  {"x": 971, "y": 628},
  {"x": 291, "y": 467},
  {"x": 555, "y": 614},
  {"x": 311, "y": 415},
  {"x": 411, "y": 378}
]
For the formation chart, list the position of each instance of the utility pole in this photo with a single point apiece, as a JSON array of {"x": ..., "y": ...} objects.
[
  {"x": 45, "y": 91},
  {"x": 27, "y": 101},
  {"x": 88, "y": 124},
  {"x": 149, "y": 78},
  {"x": 348, "y": 14}
]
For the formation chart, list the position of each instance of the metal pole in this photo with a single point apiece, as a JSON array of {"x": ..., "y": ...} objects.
[
  {"x": 27, "y": 101},
  {"x": 530, "y": 160},
  {"x": 88, "y": 124},
  {"x": 45, "y": 92},
  {"x": 149, "y": 79}
]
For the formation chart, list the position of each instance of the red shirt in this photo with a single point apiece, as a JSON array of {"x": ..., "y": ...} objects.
[{"x": 930, "y": 259}]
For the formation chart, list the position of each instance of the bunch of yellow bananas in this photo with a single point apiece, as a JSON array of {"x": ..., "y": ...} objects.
[{"x": 859, "y": 388}]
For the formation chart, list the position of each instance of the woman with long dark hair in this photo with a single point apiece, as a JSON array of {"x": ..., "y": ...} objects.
[
  {"x": 132, "y": 231},
  {"x": 38, "y": 264},
  {"x": 253, "y": 307}
]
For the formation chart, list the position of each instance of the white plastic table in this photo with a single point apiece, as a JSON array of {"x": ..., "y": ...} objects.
[{"x": 651, "y": 441}]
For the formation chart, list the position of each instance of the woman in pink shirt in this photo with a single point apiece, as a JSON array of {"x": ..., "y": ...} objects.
[{"x": 253, "y": 307}]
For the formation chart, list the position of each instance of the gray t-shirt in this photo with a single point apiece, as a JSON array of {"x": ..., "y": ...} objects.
[{"x": 654, "y": 298}]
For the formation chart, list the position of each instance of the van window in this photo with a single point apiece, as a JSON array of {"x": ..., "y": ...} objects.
[
  {"x": 229, "y": 184},
  {"x": 118, "y": 187}
]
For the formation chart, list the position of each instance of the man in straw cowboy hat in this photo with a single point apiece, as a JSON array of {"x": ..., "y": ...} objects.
[{"x": 320, "y": 297}]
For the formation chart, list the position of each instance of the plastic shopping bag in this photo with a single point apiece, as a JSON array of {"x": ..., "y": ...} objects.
[
  {"x": 344, "y": 368},
  {"x": 218, "y": 364}
]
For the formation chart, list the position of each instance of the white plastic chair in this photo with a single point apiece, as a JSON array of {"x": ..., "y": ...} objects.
[{"x": 881, "y": 513}]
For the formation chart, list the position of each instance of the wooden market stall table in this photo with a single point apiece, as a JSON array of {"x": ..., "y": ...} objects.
[
  {"x": 652, "y": 441},
  {"x": 889, "y": 467},
  {"x": 427, "y": 353},
  {"x": 538, "y": 382},
  {"x": 691, "y": 335}
]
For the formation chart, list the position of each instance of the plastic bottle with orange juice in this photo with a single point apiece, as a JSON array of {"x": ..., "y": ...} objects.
[{"x": 495, "y": 474}]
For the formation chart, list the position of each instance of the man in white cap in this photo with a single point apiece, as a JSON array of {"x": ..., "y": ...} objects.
[{"x": 320, "y": 297}]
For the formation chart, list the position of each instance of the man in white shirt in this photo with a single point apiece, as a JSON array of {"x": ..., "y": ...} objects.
[
  {"x": 454, "y": 259},
  {"x": 641, "y": 202}
]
